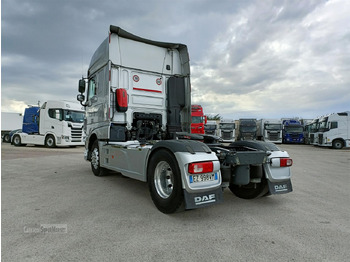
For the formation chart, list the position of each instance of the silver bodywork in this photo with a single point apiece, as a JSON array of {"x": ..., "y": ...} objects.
[{"x": 131, "y": 159}]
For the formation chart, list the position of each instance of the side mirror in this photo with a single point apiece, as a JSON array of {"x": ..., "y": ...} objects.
[
  {"x": 81, "y": 86},
  {"x": 80, "y": 98}
]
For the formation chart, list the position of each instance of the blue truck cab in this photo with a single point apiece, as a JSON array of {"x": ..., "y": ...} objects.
[{"x": 292, "y": 132}]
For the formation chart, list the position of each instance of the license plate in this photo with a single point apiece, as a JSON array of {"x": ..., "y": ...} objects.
[{"x": 203, "y": 177}]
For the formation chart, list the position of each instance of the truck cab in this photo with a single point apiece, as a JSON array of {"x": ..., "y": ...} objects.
[
  {"x": 227, "y": 130},
  {"x": 293, "y": 131},
  {"x": 211, "y": 128},
  {"x": 198, "y": 120},
  {"x": 270, "y": 130},
  {"x": 247, "y": 129}
]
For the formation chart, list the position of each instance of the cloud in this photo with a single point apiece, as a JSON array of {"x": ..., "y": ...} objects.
[
  {"x": 271, "y": 61},
  {"x": 249, "y": 58}
]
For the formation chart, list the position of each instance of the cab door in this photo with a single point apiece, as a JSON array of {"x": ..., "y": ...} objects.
[{"x": 53, "y": 123}]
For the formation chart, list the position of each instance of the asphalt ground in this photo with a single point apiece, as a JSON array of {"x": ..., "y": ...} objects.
[{"x": 54, "y": 209}]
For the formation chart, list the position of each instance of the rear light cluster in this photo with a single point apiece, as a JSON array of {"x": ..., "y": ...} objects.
[
  {"x": 281, "y": 162},
  {"x": 201, "y": 167}
]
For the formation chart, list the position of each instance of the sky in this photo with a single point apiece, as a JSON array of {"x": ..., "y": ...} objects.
[{"x": 260, "y": 59}]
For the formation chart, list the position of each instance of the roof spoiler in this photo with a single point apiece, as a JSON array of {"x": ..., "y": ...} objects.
[{"x": 121, "y": 32}]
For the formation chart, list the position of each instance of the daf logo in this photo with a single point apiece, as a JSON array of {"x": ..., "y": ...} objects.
[
  {"x": 281, "y": 187},
  {"x": 199, "y": 200}
]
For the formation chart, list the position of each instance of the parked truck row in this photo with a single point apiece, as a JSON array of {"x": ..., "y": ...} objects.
[
  {"x": 332, "y": 130},
  {"x": 137, "y": 100},
  {"x": 270, "y": 130}
]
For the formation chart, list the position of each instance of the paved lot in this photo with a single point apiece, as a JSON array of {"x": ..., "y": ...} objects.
[{"x": 113, "y": 218}]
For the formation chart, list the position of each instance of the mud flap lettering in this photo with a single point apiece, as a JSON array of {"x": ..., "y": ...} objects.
[
  {"x": 197, "y": 200},
  {"x": 280, "y": 187}
]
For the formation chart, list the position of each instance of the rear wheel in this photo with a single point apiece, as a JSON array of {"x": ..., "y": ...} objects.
[
  {"x": 164, "y": 181},
  {"x": 337, "y": 144},
  {"x": 6, "y": 138},
  {"x": 50, "y": 141},
  {"x": 250, "y": 191}
]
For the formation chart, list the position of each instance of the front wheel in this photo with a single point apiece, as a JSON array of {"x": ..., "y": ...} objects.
[
  {"x": 164, "y": 181},
  {"x": 337, "y": 144},
  {"x": 50, "y": 141},
  {"x": 95, "y": 161},
  {"x": 17, "y": 140},
  {"x": 250, "y": 191}
]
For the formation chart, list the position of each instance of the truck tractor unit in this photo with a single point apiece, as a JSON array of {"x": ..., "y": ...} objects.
[
  {"x": 210, "y": 128},
  {"x": 137, "y": 99},
  {"x": 55, "y": 123},
  {"x": 198, "y": 119},
  {"x": 293, "y": 131},
  {"x": 334, "y": 130},
  {"x": 247, "y": 129},
  {"x": 270, "y": 130},
  {"x": 227, "y": 129}
]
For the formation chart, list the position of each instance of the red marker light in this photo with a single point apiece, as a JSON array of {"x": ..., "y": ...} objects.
[{"x": 200, "y": 167}]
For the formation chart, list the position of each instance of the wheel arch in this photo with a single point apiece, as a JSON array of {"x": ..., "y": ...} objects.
[
  {"x": 92, "y": 139},
  {"x": 51, "y": 134},
  {"x": 339, "y": 138},
  {"x": 174, "y": 146}
]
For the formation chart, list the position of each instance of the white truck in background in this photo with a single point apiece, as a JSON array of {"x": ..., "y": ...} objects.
[
  {"x": 55, "y": 123},
  {"x": 211, "y": 128},
  {"x": 270, "y": 130},
  {"x": 227, "y": 130},
  {"x": 334, "y": 130},
  {"x": 10, "y": 121},
  {"x": 137, "y": 99}
]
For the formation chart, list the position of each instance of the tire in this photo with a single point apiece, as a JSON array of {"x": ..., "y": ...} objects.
[
  {"x": 337, "y": 144},
  {"x": 17, "y": 140},
  {"x": 164, "y": 181},
  {"x": 50, "y": 141},
  {"x": 250, "y": 191},
  {"x": 6, "y": 138},
  {"x": 95, "y": 161}
]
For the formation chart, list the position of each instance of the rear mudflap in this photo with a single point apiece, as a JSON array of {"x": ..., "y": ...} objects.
[
  {"x": 197, "y": 200},
  {"x": 280, "y": 187}
]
